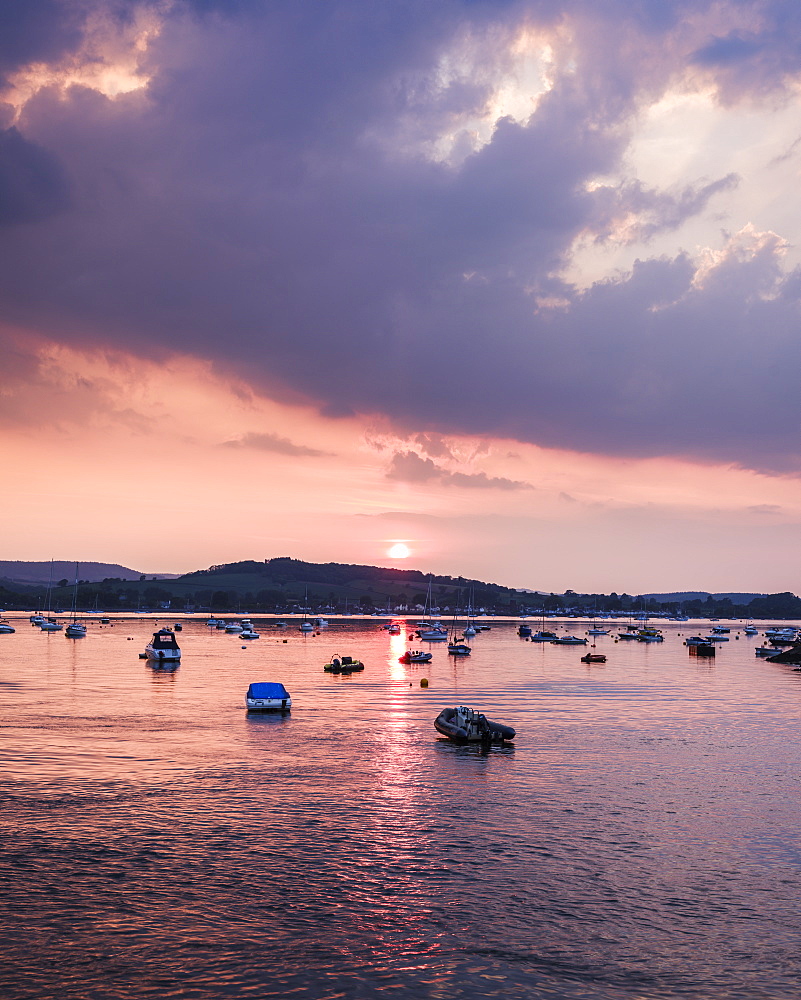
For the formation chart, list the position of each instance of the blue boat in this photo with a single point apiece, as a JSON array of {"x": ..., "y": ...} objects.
[{"x": 268, "y": 697}]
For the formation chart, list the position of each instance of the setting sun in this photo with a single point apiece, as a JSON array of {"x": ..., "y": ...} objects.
[{"x": 399, "y": 551}]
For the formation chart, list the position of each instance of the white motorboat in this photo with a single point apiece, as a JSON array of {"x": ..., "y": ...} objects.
[
  {"x": 306, "y": 627},
  {"x": 568, "y": 640},
  {"x": 268, "y": 697},
  {"x": 50, "y": 625},
  {"x": 544, "y": 636},
  {"x": 5, "y": 628},
  {"x": 234, "y": 627},
  {"x": 163, "y": 646},
  {"x": 248, "y": 633},
  {"x": 415, "y": 656}
]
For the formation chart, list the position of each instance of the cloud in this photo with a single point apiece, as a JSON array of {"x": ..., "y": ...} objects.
[
  {"x": 273, "y": 443},
  {"x": 409, "y": 467},
  {"x": 277, "y": 201},
  {"x": 32, "y": 182}
]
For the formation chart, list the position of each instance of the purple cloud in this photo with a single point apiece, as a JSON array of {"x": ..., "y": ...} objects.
[
  {"x": 409, "y": 467},
  {"x": 267, "y": 203}
]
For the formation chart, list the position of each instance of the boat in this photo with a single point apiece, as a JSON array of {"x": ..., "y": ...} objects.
[
  {"x": 48, "y": 623},
  {"x": 459, "y": 649},
  {"x": 306, "y": 627},
  {"x": 233, "y": 627},
  {"x": 415, "y": 656},
  {"x": 320, "y": 623},
  {"x": 765, "y": 651},
  {"x": 716, "y": 638},
  {"x": 630, "y": 633},
  {"x": 792, "y": 655},
  {"x": 544, "y": 636},
  {"x": 650, "y": 635},
  {"x": 456, "y": 644},
  {"x": 214, "y": 622},
  {"x": 695, "y": 640},
  {"x": 5, "y": 628},
  {"x": 343, "y": 665},
  {"x": 163, "y": 646},
  {"x": 177, "y": 627},
  {"x": 75, "y": 629},
  {"x": 597, "y": 631},
  {"x": 433, "y": 635},
  {"x": 524, "y": 631},
  {"x": 721, "y": 630},
  {"x": 593, "y": 658},
  {"x": 268, "y": 696},
  {"x": 751, "y": 630},
  {"x": 782, "y": 636},
  {"x": 465, "y": 725},
  {"x": 568, "y": 640},
  {"x": 36, "y": 619},
  {"x": 248, "y": 633}
]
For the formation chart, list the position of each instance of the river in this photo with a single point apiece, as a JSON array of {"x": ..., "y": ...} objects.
[{"x": 640, "y": 839}]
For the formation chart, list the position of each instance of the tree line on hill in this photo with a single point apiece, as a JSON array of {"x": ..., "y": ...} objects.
[{"x": 284, "y": 584}]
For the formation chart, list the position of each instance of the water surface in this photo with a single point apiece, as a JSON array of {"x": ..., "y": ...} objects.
[{"x": 640, "y": 839}]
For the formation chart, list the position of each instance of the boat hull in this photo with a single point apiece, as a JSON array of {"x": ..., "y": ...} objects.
[
  {"x": 268, "y": 704},
  {"x": 162, "y": 655}
]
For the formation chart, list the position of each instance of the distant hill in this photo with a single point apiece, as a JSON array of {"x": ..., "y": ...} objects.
[
  {"x": 701, "y": 595},
  {"x": 294, "y": 578},
  {"x": 39, "y": 573}
]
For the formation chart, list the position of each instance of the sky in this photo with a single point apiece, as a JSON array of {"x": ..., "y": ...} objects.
[{"x": 513, "y": 285}]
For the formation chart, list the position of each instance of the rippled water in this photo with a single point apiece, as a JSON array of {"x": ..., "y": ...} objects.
[{"x": 641, "y": 838}]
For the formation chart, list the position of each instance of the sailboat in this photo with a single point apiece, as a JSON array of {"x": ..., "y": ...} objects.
[
  {"x": 75, "y": 629},
  {"x": 306, "y": 625},
  {"x": 455, "y": 646},
  {"x": 49, "y": 624},
  {"x": 469, "y": 630},
  {"x": 430, "y": 630}
]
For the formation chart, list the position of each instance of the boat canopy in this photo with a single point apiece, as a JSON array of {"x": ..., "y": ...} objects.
[{"x": 267, "y": 690}]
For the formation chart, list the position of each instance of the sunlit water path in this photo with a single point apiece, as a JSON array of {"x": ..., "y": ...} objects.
[{"x": 641, "y": 839}]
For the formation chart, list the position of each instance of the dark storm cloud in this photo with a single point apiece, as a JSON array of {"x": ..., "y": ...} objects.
[
  {"x": 267, "y": 204},
  {"x": 32, "y": 182},
  {"x": 36, "y": 31}
]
